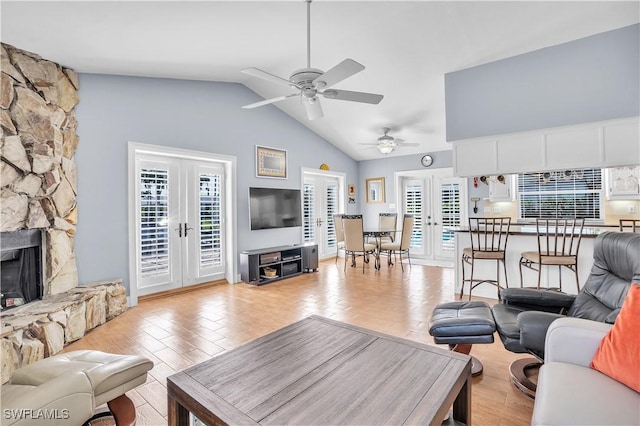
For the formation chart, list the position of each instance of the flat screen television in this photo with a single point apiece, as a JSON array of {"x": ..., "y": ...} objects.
[{"x": 274, "y": 208}]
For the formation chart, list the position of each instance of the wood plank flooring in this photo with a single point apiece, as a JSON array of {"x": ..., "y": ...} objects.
[{"x": 181, "y": 330}]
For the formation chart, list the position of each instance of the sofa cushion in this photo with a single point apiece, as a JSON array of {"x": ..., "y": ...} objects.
[
  {"x": 619, "y": 352},
  {"x": 569, "y": 394}
]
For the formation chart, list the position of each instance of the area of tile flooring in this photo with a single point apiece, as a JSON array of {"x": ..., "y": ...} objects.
[{"x": 183, "y": 329}]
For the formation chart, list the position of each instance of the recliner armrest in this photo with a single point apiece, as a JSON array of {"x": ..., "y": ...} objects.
[
  {"x": 574, "y": 340},
  {"x": 544, "y": 300},
  {"x": 533, "y": 327}
]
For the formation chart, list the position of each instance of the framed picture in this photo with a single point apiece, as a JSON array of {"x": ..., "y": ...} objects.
[
  {"x": 351, "y": 190},
  {"x": 375, "y": 190},
  {"x": 271, "y": 162}
]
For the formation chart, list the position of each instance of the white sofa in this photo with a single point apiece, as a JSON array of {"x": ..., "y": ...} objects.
[{"x": 569, "y": 391}]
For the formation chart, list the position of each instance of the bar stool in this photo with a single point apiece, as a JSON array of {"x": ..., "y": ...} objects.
[
  {"x": 629, "y": 225},
  {"x": 558, "y": 245},
  {"x": 489, "y": 237}
]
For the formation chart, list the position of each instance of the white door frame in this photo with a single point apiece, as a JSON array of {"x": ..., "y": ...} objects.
[
  {"x": 421, "y": 174},
  {"x": 230, "y": 168},
  {"x": 341, "y": 177}
]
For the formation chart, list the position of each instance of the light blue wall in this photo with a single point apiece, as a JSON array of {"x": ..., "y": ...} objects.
[
  {"x": 386, "y": 167},
  {"x": 195, "y": 115},
  {"x": 592, "y": 79}
]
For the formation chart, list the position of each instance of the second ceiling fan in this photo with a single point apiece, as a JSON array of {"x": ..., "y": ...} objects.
[{"x": 311, "y": 82}]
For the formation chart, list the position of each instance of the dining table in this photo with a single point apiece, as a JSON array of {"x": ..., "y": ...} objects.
[{"x": 378, "y": 233}]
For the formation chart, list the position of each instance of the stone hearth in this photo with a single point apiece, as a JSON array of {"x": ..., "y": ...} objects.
[{"x": 40, "y": 329}]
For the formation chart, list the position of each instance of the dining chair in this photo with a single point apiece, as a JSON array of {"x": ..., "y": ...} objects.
[
  {"x": 629, "y": 225},
  {"x": 558, "y": 245},
  {"x": 489, "y": 236},
  {"x": 354, "y": 244},
  {"x": 402, "y": 246},
  {"x": 387, "y": 221},
  {"x": 337, "y": 224}
]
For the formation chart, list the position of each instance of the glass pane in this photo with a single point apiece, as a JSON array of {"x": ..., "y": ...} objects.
[
  {"x": 309, "y": 212},
  {"x": 413, "y": 195},
  {"x": 450, "y": 204},
  {"x": 332, "y": 208},
  {"x": 210, "y": 221},
  {"x": 154, "y": 222}
]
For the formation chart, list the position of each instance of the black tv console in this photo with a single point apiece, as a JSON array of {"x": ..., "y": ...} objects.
[{"x": 287, "y": 261}]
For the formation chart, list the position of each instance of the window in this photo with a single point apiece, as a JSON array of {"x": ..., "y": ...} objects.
[
  {"x": 563, "y": 194},
  {"x": 413, "y": 195},
  {"x": 451, "y": 214}
]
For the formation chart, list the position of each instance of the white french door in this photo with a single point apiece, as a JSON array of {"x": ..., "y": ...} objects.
[
  {"x": 323, "y": 197},
  {"x": 437, "y": 202},
  {"x": 180, "y": 233}
]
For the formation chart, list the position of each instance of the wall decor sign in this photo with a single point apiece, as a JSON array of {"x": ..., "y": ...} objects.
[{"x": 271, "y": 162}]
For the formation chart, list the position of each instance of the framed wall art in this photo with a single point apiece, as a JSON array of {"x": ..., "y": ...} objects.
[{"x": 271, "y": 162}]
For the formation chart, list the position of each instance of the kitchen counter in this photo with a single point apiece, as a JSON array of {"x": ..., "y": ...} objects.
[
  {"x": 522, "y": 237},
  {"x": 588, "y": 231}
]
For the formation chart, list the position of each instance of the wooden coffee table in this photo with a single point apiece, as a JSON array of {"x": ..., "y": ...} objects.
[{"x": 323, "y": 372}]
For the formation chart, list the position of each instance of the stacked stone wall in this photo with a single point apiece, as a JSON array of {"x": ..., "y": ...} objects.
[{"x": 37, "y": 166}]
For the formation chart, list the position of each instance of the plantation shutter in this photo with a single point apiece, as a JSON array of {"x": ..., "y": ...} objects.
[
  {"x": 414, "y": 195},
  {"x": 332, "y": 208},
  {"x": 450, "y": 205},
  {"x": 309, "y": 212},
  {"x": 210, "y": 219},
  {"x": 570, "y": 194},
  {"x": 154, "y": 222}
]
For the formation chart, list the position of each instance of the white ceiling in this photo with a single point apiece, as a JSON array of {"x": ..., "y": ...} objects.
[{"x": 407, "y": 47}]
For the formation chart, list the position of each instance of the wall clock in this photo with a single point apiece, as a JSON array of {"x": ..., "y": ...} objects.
[{"x": 427, "y": 160}]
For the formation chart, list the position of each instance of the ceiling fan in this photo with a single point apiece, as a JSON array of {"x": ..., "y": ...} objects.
[
  {"x": 387, "y": 144},
  {"x": 312, "y": 82}
]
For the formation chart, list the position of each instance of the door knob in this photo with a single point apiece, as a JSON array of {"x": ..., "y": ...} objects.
[{"x": 186, "y": 229}]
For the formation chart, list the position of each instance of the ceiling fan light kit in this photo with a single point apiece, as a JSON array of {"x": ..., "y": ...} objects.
[
  {"x": 386, "y": 144},
  {"x": 312, "y": 82}
]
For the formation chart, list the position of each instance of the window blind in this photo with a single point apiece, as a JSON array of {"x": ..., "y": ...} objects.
[
  {"x": 413, "y": 195},
  {"x": 309, "y": 209},
  {"x": 210, "y": 220},
  {"x": 332, "y": 208},
  {"x": 154, "y": 222},
  {"x": 564, "y": 194},
  {"x": 450, "y": 205}
]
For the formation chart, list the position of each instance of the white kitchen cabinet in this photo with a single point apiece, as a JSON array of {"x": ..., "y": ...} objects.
[
  {"x": 609, "y": 143},
  {"x": 502, "y": 191},
  {"x": 623, "y": 183}
]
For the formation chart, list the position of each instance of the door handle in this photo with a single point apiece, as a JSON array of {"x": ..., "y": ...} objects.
[
  {"x": 186, "y": 229},
  {"x": 179, "y": 229},
  {"x": 319, "y": 222}
]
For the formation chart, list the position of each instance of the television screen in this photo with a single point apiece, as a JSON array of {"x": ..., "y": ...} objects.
[{"x": 274, "y": 208}]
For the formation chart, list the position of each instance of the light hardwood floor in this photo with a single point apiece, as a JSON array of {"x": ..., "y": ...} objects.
[{"x": 181, "y": 330}]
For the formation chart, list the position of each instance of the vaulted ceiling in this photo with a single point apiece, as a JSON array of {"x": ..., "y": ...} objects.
[{"x": 406, "y": 47}]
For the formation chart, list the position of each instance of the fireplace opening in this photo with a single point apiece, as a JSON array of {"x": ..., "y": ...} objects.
[{"x": 22, "y": 276}]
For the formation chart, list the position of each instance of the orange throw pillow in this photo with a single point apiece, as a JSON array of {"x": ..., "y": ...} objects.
[{"x": 618, "y": 355}]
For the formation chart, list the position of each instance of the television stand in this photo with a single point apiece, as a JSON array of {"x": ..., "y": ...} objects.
[{"x": 257, "y": 266}]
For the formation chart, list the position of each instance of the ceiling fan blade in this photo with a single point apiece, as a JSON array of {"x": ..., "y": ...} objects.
[
  {"x": 347, "y": 95},
  {"x": 407, "y": 143},
  {"x": 342, "y": 71},
  {"x": 370, "y": 144},
  {"x": 269, "y": 101},
  {"x": 255, "y": 72},
  {"x": 314, "y": 110}
]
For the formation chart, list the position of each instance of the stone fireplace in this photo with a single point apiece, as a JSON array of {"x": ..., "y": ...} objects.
[
  {"x": 21, "y": 263},
  {"x": 38, "y": 212},
  {"x": 37, "y": 168}
]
